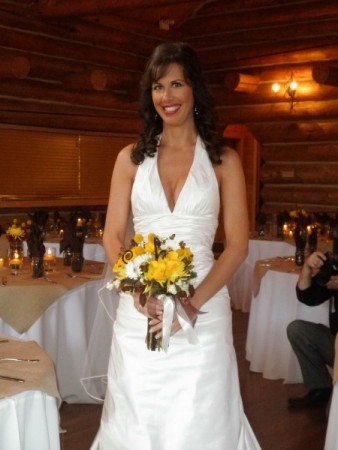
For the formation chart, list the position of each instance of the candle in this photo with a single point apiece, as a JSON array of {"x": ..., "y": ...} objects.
[
  {"x": 2, "y": 262},
  {"x": 49, "y": 259},
  {"x": 15, "y": 261},
  {"x": 79, "y": 222},
  {"x": 62, "y": 232},
  {"x": 50, "y": 254}
]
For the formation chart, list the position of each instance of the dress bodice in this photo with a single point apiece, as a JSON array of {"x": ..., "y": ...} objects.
[{"x": 194, "y": 218}]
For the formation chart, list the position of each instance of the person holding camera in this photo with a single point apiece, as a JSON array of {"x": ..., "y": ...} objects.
[{"x": 314, "y": 343}]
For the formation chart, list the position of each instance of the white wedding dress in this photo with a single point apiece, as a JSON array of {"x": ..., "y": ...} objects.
[{"x": 187, "y": 398}]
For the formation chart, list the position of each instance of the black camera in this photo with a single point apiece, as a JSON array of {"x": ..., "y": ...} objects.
[{"x": 328, "y": 269}]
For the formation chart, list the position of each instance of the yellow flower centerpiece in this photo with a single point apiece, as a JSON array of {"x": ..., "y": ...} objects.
[
  {"x": 300, "y": 217},
  {"x": 16, "y": 231},
  {"x": 157, "y": 267}
]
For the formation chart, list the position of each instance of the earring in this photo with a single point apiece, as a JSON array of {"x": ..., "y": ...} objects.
[
  {"x": 155, "y": 116},
  {"x": 196, "y": 111}
]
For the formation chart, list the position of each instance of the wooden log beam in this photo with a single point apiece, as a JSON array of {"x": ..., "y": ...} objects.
[
  {"x": 231, "y": 19},
  {"x": 93, "y": 79},
  {"x": 73, "y": 122},
  {"x": 300, "y": 152},
  {"x": 62, "y": 8},
  {"x": 117, "y": 32},
  {"x": 279, "y": 111},
  {"x": 241, "y": 82},
  {"x": 286, "y": 173},
  {"x": 32, "y": 106},
  {"x": 266, "y": 54},
  {"x": 55, "y": 95},
  {"x": 315, "y": 131},
  {"x": 207, "y": 39},
  {"x": 14, "y": 66},
  {"x": 68, "y": 50},
  {"x": 325, "y": 74},
  {"x": 276, "y": 207},
  {"x": 324, "y": 195}
]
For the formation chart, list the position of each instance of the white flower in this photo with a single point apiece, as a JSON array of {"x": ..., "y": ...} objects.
[
  {"x": 110, "y": 285},
  {"x": 172, "y": 289},
  {"x": 132, "y": 270}
]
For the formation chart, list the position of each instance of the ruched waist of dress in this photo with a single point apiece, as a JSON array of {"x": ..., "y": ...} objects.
[{"x": 193, "y": 230}]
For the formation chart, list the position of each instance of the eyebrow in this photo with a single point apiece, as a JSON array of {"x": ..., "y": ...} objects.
[{"x": 182, "y": 80}]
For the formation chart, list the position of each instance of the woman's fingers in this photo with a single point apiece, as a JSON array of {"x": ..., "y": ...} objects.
[{"x": 154, "y": 307}]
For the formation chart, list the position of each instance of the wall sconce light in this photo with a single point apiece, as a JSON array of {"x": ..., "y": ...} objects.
[{"x": 290, "y": 89}]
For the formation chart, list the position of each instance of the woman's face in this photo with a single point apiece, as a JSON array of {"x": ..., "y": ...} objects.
[{"x": 173, "y": 97}]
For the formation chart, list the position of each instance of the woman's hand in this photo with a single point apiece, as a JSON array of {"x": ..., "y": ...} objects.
[{"x": 153, "y": 307}]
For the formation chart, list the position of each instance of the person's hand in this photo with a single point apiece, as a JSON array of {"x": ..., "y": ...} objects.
[
  {"x": 315, "y": 261},
  {"x": 153, "y": 307},
  {"x": 333, "y": 283}
]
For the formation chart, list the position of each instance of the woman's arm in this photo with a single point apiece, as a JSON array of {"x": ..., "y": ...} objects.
[
  {"x": 118, "y": 210},
  {"x": 236, "y": 228}
]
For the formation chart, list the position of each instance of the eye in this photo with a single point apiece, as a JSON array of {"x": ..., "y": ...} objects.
[
  {"x": 177, "y": 84},
  {"x": 156, "y": 87}
]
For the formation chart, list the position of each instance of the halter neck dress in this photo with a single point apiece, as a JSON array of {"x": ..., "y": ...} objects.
[{"x": 187, "y": 398}]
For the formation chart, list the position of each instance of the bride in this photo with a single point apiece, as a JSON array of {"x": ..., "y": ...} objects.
[{"x": 175, "y": 180}]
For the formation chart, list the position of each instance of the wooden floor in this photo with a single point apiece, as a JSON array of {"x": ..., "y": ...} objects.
[{"x": 265, "y": 404}]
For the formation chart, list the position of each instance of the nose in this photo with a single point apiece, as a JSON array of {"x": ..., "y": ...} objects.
[{"x": 167, "y": 94}]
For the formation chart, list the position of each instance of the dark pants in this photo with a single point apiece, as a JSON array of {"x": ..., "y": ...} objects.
[{"x": 313, "y": 344}]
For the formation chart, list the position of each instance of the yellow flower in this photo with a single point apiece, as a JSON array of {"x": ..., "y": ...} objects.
[
  {"x": 118, "y": 266},
  {"x": 15, "y": 232},
  {"x": 138, "y": 238},
  {"x": 137, "y": 251},
  {"x": 184, "y": 252},
  {"x": 151, "y": 237},
  {"x": 149, "y": 247},
  {"x": 174, "y": 270}
]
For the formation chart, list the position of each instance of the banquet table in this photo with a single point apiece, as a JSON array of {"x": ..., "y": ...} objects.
[
  {"x": 66, "y": 313},
  {"x": 273, "y": 307},
  {"x": 92, "y": 248},
  {"x": 331, "y": 440},
  {"x": 29, "y": 416},
  {"x": 240, "y": 286}
]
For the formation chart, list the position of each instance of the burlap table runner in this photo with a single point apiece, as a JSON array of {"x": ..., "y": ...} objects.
[
  {"x": 280, "y": 264},
  {"x": 37, "y": 376},
  {"x": 24, "y": 299}
]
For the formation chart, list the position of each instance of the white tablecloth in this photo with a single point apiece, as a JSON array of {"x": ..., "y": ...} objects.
[
  {"x": 276, "y": 305},
  {"x": 29, "y": 421},
  {"x": 331, "y": 441},
  {"x": 73, "y": 325},
  {"x": 240, "y": 286}
]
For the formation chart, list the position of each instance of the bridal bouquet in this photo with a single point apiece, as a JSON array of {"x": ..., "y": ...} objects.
[{"x": 157, "y": 267}]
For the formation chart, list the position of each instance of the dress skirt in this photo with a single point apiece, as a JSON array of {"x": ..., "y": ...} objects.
[{"x": 185, "y": 399}]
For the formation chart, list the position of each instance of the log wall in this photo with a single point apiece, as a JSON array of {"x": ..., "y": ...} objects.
[{"x": 75, "y": 67}]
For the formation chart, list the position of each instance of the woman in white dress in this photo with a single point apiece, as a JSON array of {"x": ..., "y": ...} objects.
[{"x": 174, "y": 181}]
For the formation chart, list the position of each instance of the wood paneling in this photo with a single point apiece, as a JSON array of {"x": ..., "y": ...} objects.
[
  {"x": 63, "y": 43},
  {"x": 52, "y": 169}
]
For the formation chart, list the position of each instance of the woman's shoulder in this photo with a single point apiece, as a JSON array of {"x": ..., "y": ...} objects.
[
  {"x": 230, "y": 161},
  {"x": 124, "y": 155},
  {"x": 124, "y": 161}
]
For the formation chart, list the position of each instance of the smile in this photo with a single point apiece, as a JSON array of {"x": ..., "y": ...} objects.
[{"x": 171, "y": 109}]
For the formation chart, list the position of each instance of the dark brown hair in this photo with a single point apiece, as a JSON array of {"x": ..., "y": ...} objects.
[{"x": 204, "y": 115}]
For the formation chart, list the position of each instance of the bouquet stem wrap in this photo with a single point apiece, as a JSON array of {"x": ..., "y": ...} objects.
[{"x": 169, "y": 307}]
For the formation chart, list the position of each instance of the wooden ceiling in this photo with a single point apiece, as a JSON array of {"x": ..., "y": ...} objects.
[{"x": 76, "y": 64}]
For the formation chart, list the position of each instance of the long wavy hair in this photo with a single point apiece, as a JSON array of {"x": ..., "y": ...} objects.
[{"x": 204, "y": 113}]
